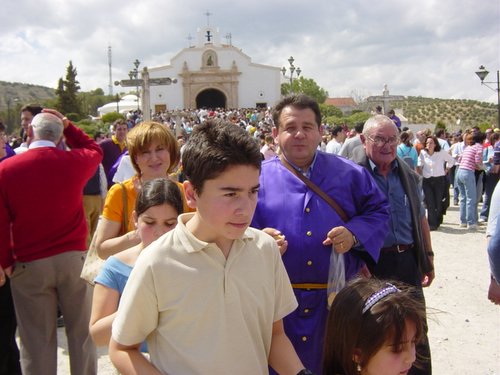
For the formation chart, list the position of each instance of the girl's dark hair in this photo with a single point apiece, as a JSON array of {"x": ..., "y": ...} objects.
[
  {"x": 405, "y": 138},
  {"x": 437, "y": 145},
  {"x": 157, "y": 192},
  {"x": 349, "y": 331}
]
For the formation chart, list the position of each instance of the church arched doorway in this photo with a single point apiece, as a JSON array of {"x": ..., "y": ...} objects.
[{"x": 211, "y": 98}]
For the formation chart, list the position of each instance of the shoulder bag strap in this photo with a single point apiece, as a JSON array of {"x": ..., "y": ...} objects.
[
  {"x": 316, "y": 189},
  {"x": 125, "y": 210}
]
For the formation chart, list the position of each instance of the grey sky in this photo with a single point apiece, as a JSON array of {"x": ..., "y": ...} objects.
[{"x": 426, "y": 47}]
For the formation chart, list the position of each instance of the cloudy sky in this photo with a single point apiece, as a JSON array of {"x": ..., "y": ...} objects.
[{"x": 429, "y": 48}]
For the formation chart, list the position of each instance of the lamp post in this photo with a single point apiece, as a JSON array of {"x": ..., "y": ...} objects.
[
  {"x": 117, "y": 98},
  {"x": 133, "y": 74},
  {"x": 482, "y": 73},
  {"x": 292, "y": 69}
]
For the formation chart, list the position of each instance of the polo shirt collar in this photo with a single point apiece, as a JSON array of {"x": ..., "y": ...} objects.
[{"x": 192, "y": 244}]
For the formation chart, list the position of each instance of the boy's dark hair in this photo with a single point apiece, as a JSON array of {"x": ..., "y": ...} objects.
[
  {"x": 34, "y": 109},
  {"x": 214, "y": 146},
  {"x": 157, "y": 192},
  {"x": 299, "y": 101}
]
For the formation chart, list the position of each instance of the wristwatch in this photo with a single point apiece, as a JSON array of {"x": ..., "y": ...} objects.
[{"x": 305, "y": 372}]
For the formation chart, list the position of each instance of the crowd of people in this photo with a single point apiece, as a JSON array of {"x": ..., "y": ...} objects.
[{"x": 218, "y": 229}]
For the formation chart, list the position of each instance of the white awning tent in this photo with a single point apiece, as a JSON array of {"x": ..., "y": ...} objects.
[{"x": 126, "y": 104}]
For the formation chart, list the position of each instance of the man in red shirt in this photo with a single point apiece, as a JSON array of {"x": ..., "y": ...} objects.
[{"x": 43, "y": 242}]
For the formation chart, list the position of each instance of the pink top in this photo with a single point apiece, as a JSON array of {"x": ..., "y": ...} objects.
[{"x": 472, "y": 156}]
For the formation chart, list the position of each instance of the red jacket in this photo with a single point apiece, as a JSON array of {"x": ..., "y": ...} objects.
[{"x": 41, "y": 199}]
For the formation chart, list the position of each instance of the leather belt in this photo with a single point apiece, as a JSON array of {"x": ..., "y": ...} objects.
[
  {"x": 396, "y": 248},
  {"x": 309, "y": 286}
]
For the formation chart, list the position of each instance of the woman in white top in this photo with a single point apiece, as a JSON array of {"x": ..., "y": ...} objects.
[{"x": 431, "y": 165}]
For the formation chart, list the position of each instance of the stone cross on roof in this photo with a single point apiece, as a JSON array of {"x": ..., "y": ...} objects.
[
  {"x": 385, "y": 99},
  {"x": 208, "y": 14}
]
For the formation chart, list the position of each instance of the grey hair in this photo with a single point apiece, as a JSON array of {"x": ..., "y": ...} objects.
[
  {"x": 47, "y": 126},
  {"x": 376, "y": 120}
]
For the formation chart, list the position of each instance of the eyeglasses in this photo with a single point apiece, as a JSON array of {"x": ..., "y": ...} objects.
[{"x": 381, "y": 142}]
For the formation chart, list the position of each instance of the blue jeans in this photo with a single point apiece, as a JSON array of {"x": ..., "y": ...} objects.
[{"x": 466, "y": 183}]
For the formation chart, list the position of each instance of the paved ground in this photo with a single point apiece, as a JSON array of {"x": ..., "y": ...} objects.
[{"x": 464, "y": 327}]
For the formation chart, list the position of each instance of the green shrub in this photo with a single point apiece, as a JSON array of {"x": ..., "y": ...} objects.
[
  {"x": 111, "y": 117},
  {"x": 73, "y": 117}
]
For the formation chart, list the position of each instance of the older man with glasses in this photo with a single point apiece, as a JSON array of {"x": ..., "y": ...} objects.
[{"x": 406, "y": 254}]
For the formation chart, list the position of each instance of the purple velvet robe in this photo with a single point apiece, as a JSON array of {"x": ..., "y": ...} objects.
[{"x": 287, "y": 204}]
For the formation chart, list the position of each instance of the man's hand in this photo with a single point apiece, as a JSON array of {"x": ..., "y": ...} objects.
[
  {"x": 4, "y": 273},
  {"x": 58, "y": 114},
  {"x": 278, "y": 237},
  {"x": 341, "y": 238},
  {"x": 494, "y": 292},
  {"x": 427, "y": 279}
]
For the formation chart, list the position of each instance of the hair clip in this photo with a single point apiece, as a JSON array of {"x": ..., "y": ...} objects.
[{"x": 378, "y": 295}]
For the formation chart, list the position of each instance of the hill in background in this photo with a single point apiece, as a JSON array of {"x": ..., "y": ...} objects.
[
  {"x": 417, "y": 109},
  {"x": 23, "y": 93}
]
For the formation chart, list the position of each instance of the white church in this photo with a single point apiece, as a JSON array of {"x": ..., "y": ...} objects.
[{"x": 210, "y": 74}]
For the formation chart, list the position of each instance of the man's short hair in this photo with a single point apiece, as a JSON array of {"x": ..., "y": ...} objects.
[
  {"x": 299, "y": 101},
  {"x": 337, "y": 129},
  {"x": 34, "y": 109},
  {"x": 213, "y": 147},
  {"x": 47, "y": 126},
  {"x": 359, "y": 127},
  {"x": 391, "y": 112},
  {"x": 374, "y": 121}
]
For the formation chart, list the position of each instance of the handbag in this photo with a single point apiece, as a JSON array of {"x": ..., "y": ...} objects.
[
  {"x": 336, "y": 272},
  {"x": 93, "y": 263}
]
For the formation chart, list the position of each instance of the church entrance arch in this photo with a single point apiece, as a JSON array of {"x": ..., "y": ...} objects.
[{"x": 211, "y": 98}]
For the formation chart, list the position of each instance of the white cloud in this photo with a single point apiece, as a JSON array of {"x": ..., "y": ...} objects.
[{"x": 428, "y": 48}]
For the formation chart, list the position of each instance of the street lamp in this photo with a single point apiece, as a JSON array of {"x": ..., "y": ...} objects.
[
  {"x": 133, "y": 74},
  {"x": 482, "y": 73},
  {"x": 117, "y": 98},
  {"x": 292, "y": 70}
]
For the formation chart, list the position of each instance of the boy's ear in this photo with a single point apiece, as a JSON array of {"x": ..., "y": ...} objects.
[{"x": 190, "y": 194}]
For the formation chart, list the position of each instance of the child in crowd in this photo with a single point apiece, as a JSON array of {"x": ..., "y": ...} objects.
[
  {"x": 156, "y": 209},
  {"x": 209, "y": 297},
  {"x": 372, "y": 328}
]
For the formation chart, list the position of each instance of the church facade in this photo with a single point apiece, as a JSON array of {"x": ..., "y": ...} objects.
[{"x": 211, "y": 74}]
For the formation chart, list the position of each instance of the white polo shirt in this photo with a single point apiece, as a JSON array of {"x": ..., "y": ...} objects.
[{"x": 201, "y": 313}]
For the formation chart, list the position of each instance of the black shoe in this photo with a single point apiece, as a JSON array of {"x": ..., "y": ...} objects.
[{"x": 60, "y": 322}]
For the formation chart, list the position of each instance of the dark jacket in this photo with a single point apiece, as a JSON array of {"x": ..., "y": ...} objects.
[{"x": 412, "y": 184}]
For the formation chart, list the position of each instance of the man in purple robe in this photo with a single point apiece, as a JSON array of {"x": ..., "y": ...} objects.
[{"x": 310, "y": 224}]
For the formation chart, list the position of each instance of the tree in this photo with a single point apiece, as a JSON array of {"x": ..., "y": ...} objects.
[
  {"x": 66, "y": 92},
  {"x": 305, "y": 86},
  {"x": 330, "y": 110}
]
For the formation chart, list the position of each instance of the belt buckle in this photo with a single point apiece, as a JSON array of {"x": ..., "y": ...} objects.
[{"x": 400, "y": 249}]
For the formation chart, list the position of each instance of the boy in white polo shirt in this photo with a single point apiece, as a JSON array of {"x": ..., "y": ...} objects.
[{"x": 209, "y": 296}]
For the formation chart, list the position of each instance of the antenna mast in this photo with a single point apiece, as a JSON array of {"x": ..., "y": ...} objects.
[{"x": 110, "y": 86}]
